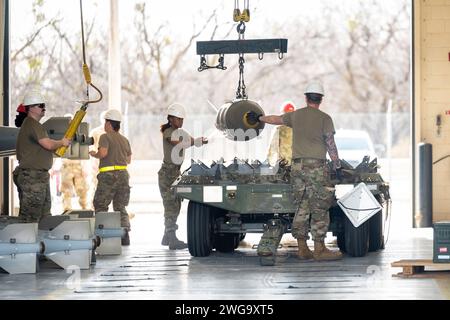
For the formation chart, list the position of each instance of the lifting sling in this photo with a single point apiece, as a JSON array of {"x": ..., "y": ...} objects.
[{"x": 79, "y": 115}]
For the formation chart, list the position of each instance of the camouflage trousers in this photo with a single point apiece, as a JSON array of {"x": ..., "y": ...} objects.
[
  {"x": 33, "y": 187},
  {"x": 172, "y": 204},
  {"x": 313, "y": 195},
  {"x": 113, "y": 186},
  {"x": 72, "y": 177}
]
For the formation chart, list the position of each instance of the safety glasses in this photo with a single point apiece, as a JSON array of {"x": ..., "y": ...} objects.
[{"x": 42, "y": 105}]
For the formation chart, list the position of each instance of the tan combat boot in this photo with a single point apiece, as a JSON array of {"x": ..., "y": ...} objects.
[
  {"x": 165, "y": 239},
  {"x": 321, "y": 252},
  {"x": 126, "y": 238},
  {"x": 174, "y": 243},
  {"x": 303, "y": 251}
]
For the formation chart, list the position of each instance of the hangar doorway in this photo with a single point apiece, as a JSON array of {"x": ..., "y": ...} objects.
[{"x": 361, "y": 51}]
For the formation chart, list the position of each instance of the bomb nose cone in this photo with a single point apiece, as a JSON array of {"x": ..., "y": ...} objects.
[{"x": 231, "y": 120}]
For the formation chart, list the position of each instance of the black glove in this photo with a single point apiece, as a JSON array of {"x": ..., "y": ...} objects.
[
  {"x": 339, "y": 174},
  {"x": 252, "y": 117}
]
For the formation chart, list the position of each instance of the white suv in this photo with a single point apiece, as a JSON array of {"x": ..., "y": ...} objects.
[{"x": 353, "y": 145}]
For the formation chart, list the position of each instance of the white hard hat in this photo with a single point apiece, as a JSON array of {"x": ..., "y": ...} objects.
[
  {"x": 315, "y": 87},
  {"x": 113, "y": 114},
  {"x": 33, "y": 97},
  {"x": 176, "y": 110}
]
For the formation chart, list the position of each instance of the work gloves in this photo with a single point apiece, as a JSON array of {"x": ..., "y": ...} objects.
[
  {"x": 198, "y": 142},
  {"x": 252, "y": 117}
]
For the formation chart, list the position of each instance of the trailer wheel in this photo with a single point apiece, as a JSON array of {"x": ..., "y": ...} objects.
[
  {"x": 200, "y": 229},
  {"x": 226, "y": 242},
  {"x": 356, "y": 239}
]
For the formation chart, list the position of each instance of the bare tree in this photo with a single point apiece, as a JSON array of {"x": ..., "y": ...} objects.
[
  {"x": 156, "y": 66},
  {"x": 51, "y": 58},
  {"x": 361, "y": 55}
]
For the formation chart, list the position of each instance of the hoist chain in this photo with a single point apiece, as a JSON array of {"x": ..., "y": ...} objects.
[
  {"x": 241, "y": 30},
  {"x": 204, "y": 65},
  {"x": 240, "y": 92}
]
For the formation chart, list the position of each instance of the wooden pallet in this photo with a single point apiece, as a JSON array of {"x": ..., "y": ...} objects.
[{"x": 416, "y": 269}]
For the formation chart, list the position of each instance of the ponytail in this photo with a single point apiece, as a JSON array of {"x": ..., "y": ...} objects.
[
  {"x": 20, "y": 118},
  {"x": 165, "y": 126},
  {"x": 22, "y": 114}
]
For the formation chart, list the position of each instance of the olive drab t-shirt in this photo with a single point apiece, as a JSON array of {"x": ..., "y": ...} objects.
[
  {"x": 118, "y": 149},
  {"x": 30, "y": 154},
  {"x": 172, "y": 155},
  {"x": 309, "y": 127}
]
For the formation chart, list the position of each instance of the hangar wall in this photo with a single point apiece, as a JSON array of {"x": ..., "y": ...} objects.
[
  {"x": 3, "y": 194},
  {"x": 432, "y": 93}
]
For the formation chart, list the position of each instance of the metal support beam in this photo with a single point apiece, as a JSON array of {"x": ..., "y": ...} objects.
[
  {"x": 114, "y": 67},
  {"x": 242, "y": 46},
  {"x": 6, "y": 167}
]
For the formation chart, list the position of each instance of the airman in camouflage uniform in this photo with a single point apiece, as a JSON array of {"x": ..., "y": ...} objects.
[
  {"x": 313, "y": 137},
  {"x": 96, "y": 133},
  {"x": 34, "y": 153},
  {"x": 281, "y": 144},
  {"x": 175, "y": 141},
  {"x": 114, "y": 152},
  {"x": 73, "y": 176}
]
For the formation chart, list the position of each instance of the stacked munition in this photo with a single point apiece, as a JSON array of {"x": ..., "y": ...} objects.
[
  {"x": 238, "y": 171},
  {"x": 68, "y": 240},
  {"x": 237, "y": 166}
]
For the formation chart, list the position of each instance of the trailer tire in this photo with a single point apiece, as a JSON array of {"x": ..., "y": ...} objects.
[{"x": 200, "y": 229}]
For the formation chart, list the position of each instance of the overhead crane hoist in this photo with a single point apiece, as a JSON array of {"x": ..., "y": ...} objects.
[
  {"x": 231, "y": 117},
  {"x": 79, "y": 115}
]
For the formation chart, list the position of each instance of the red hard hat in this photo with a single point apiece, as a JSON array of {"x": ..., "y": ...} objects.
[{"x": 289, "y": 107}]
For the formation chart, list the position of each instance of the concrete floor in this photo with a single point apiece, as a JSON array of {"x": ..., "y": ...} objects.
[{"x": 145, "y": 270}]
